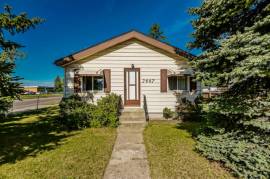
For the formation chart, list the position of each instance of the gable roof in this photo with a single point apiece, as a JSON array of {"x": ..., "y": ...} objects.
[{"x": 118, "y": 40}]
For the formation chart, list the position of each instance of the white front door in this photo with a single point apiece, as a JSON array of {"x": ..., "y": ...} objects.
[{"x": 132, "y": 86}]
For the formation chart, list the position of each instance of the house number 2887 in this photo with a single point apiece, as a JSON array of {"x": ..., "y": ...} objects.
[{"x": 148, "y": 80}]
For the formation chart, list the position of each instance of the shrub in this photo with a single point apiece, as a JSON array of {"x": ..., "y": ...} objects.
[
  {"x": 70, "y": 103},
  {"x": 187, "y": 110},
  {"x": 76, "y": 113},
  {"x": 108, "y": 110},
  {"x": 167, "y": 113}
]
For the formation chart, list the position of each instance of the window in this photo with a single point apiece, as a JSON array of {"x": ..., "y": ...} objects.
[
  {"x": 177, "y": 83},
  {"x": 93, "y": 83}
]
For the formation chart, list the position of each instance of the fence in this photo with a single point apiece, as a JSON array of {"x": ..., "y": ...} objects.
[{"x": 35, "y": 102}]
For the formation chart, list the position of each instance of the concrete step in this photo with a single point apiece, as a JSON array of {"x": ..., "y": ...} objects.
[
  {"x": 132, "y": 122},
  {"x": 132, "y": 119},
  {"x": 133, "y": 110},
  {"x": 133, "y": 115},
  {"x": 131, "y": 127},
  {"x": 130, "y": 116}
]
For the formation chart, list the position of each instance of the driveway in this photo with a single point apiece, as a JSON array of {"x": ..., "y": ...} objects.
[{"x": 30, "y": 104}]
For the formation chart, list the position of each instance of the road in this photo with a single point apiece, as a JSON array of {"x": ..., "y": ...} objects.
[{"x": 30, "y": 104}]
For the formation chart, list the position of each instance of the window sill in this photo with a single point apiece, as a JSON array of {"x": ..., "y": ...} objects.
[
  {"x": 95, "y": 91},
  {"x": 179, "y": 91}
]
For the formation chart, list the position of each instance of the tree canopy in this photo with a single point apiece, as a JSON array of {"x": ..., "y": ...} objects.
[
  {"x": 236, "y": 53},
  {"x": 234, "y": 36},
  {"x": 10, "y": 25},
  {"x": 219, "y": 19},
  {"x": 58, "y": 84},
  {"x": 156, "y": 33}
]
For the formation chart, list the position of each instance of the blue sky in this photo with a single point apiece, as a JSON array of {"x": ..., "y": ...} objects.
[{"x": 75, "y": 24}]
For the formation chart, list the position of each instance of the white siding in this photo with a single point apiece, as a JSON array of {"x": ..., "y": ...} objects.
[{"x": 149, "y": 61}]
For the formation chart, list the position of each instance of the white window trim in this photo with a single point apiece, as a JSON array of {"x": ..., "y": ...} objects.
[
  {"x": 92, "y": 90},
  {"x": 178, "y": 90}
]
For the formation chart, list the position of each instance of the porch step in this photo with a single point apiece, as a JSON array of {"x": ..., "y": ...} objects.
[
  {"x": 131, "y": 127},
  {"x": 132, "y": 116},
  {"x": 133, "y": 122},
  {"x": 135, "y": 109}
]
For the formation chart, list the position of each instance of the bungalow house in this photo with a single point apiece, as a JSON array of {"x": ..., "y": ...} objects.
[{"x": 135, "y": 66}]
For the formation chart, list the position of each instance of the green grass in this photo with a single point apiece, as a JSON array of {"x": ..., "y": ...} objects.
[
  {"x": 34, "y": 96},
  {"x": 170, "y": 149},
  {"x": 32, "y": 146}
]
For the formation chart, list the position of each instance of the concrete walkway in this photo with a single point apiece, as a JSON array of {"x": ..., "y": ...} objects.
[{"x": 129, "y": 159}]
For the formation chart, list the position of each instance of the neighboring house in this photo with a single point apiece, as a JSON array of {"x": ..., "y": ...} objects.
[
  {"x": 131, "y": 65},
  {"x": 38, "y": 89}
]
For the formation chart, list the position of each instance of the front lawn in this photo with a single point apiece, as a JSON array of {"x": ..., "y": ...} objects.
[
  {"x": 170, "y": 149},
  {"x": 32, "y": 146}
]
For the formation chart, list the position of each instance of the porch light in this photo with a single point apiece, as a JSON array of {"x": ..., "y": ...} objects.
[{"x": 132, "y": 66}]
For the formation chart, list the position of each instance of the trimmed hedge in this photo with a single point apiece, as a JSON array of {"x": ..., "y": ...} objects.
[{"x": 76, "y": 113}]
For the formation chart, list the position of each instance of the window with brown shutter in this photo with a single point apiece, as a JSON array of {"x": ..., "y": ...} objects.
[
  {"x": 107, "y": 80},
  {"x": 177, "y": 83},
  {"x": 163, "y": 80}
]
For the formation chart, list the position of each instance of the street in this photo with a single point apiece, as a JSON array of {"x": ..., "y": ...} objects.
[{"x": 30, "y": 104}]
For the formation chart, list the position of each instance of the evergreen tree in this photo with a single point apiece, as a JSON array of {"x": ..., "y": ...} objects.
[
  {"x": 235, "y": 37},
  {"x": 11, "y": 24},
  {"x": 156, "y": 33},
  {"x": 58, "y": 84}
]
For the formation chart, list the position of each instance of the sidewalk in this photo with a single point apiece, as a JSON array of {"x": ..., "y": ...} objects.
[{"x": 129, "y": 159}]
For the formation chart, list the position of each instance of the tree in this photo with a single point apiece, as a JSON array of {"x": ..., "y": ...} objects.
[
  {"x": 58, "y": 84},
  {"x": 219, "y": 19},
  {"x": 10, "y": 25},
  {"x": 235, "y": 37},
  {"x": 156, "y": 33}
]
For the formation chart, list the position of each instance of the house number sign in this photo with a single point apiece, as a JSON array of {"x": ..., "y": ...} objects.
[{"x": 148, "y": 80}]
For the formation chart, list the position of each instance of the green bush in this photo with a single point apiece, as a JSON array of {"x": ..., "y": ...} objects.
[
  {"x": 108, "y": 110},
  {"x": 187, "y": 110},
  {"x": 70, "y": 103},
  {"x": 76, "y": 113},
  {"x": 168, "y": 113}
]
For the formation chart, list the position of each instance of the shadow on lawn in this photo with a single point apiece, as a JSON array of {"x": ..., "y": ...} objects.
[
  {"x": 38, "y": 133},
  {"x": 194, "y": 128}
]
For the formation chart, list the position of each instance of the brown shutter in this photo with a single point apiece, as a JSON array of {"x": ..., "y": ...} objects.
[
  {"x": 77, "y": 83},
  {"x": 107, "y": 80},
  {"x": 163, "y": 80},
  {"x": 193, "y": 84}
]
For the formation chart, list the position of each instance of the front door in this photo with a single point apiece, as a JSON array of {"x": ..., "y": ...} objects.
[{"x": 132, "y": 86}]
